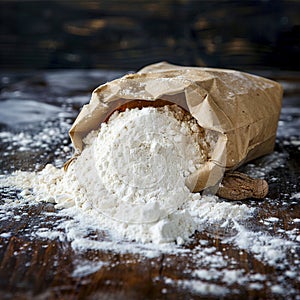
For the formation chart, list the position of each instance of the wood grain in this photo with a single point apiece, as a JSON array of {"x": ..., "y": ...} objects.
[{"x": 32, "y": 267}]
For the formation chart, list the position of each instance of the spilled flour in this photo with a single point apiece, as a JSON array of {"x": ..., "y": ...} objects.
[
  {"x": 100, "y": 206},
  {"x": 125, "y": 193},
  {"x": 130, "y": 177}
]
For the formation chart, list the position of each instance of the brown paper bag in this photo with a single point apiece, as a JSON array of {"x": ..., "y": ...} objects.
[{"x": 242, "y": 109}]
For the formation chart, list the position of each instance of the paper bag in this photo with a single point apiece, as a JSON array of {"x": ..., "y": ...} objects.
[{"x": 242, "y": 109}]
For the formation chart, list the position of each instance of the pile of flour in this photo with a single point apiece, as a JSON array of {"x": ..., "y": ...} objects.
[
  {"x": 134, "y": 168},
  {"x": 130, "y": 177}
]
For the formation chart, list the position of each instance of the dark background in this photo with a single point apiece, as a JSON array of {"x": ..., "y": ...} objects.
[
  {"x": 116, "y": 34},
  {"x": 39, "y": 101}
]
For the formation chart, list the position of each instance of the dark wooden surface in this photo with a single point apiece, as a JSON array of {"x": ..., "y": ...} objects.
[{"x": 38, "y": 268}]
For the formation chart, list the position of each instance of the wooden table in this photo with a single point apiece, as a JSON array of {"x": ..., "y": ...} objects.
[{"x": 211, "y": 267}]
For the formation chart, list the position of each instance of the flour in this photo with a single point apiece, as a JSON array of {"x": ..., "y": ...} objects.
[
  {"x": 137, "y": 163},
  {"x": 130, "y": 178},
  {"x": 100, "y": 206}
]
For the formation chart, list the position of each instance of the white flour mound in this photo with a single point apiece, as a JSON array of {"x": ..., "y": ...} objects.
[
  {"x": 134, "y": 168},
  {"x": 130, "y": 177}
]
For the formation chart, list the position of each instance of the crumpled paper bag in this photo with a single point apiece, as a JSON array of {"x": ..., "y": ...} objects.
[{"x": 242, "y": 109}]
